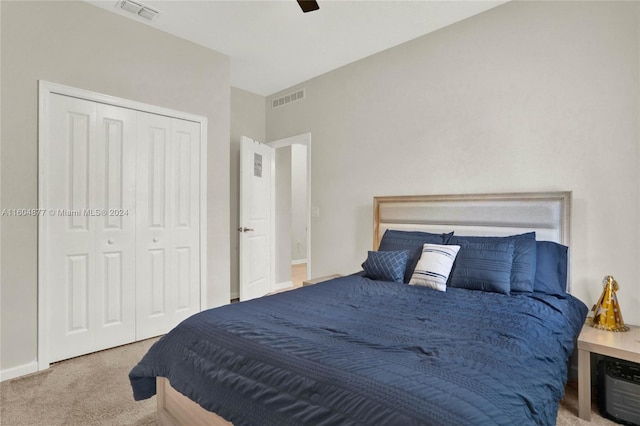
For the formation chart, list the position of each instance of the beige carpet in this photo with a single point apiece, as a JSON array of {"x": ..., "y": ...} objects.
[
  {"x": 568, "y": 411},
  {"x": 94, "y": 390},
  {"x": 88, "y": 390}
]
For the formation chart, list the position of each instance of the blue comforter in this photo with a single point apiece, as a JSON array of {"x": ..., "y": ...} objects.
[{"x": 355, "y": 351}]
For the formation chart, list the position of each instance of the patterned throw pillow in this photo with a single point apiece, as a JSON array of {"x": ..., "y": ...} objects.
[
  {"x": 434, "y": 266},
  {"x": 413, "y": 241},
  {"x": 386, "y": 265}
]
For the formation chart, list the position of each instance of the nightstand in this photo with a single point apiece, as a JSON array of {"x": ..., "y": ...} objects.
[
  {"x": 621, "y": 345},
  {"x": 320, "y": 279}
]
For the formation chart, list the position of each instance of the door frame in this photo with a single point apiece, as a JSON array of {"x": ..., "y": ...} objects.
[
  {"x": 45, "y": 91},
  {"x": 301, "y": 139}
]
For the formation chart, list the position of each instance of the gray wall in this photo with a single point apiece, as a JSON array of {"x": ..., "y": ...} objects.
[
  {"x": 291, "y": 208},
  {"x": 247, "y": 119},
  {"x": 529, "y": 96},
  {"x": 76, "y": 44},
  {"x": 283, "y": 215},
  {"x": 299, "y": 205}
]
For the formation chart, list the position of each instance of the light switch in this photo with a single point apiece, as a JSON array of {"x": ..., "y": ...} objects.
[{"x": 315, "y": 211}]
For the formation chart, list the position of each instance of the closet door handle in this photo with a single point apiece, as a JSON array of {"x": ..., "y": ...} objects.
[
  {"x": 110, "y": 241},
  {"x": 245, "y": 229},
  {"x": 155, "y": 239}
]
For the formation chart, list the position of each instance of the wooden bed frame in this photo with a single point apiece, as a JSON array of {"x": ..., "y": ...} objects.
[
  {"x": 546, "y": 213},
  {"x": 176, "y": 409}
]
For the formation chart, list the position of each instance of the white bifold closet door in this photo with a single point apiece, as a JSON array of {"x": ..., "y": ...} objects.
[
  {"x": 167, "y": 253},
  {"x": 133, "y": 272},
  {"x": 92, "y": 256}
]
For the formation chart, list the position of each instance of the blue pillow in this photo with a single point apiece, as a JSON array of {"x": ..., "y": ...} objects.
[
  {"x": 412, "y": 241},
  {"x": 551, "y": 270},
  {"x": 386, "y": 265},
  {"x": 523, "y": 270},
  {"x": 483, "y": 266}
]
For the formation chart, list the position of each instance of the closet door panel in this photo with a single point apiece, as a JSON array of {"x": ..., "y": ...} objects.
[
  {"x": 92, "y": 252},
  {"x": 70, "y": 230},
  {"x": 154, "y": 297},
  {"x": 185, "y": 225},
  {"x": 168, "y": 237},
  {"x": 115, "y": 225}
]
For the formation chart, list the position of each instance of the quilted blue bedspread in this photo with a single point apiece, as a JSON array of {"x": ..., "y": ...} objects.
[{"x": 355, "y": 351}]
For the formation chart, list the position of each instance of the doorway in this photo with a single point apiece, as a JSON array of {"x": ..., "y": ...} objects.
[{"x": 292, "y": 184}]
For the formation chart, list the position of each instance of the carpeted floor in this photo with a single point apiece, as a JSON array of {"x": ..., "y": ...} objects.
[
  {"x": 89, "y": 390},
  {"x": 568, "y": 411},
  {"x": 94, "y": 390}
]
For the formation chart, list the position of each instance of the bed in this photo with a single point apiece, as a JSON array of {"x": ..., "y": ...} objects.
[{"x": 357, "y": 350}]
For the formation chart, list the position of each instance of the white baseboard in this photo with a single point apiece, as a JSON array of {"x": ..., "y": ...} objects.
[
  {"x": 235, "y": 295},
  {"x": 21, "y": 370},
  {"x": 282, "y": 285},
  {"x": 298, "y": 262}
]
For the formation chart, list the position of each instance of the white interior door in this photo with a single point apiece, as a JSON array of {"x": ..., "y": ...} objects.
[
  {"x": 91, "y": 255},
  {"x": 255, "y": 218},
  {"x": 168, "y": 238}
]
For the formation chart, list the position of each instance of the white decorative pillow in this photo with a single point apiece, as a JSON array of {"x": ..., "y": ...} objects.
[{"x": 434, "y": 266}]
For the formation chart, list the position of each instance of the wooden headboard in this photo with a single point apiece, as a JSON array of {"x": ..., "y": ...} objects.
[{"x": 546, "y": 213}]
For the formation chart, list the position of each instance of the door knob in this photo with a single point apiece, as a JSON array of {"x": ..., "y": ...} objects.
[
  {"x": 155, "y": 239},
  {"x": 109, "y": 241},
  {"x": 241, "y": 229}
]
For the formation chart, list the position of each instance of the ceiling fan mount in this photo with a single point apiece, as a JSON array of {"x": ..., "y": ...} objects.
[{"x": 308, "y": 5}]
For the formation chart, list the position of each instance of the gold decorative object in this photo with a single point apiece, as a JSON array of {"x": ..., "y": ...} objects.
[{"x": 607, "y": 315}]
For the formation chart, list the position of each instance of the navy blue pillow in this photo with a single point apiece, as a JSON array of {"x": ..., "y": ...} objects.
[
  {"x": 523, "y": 270},
  {"x": 483, "y": 266},
  {"x": 551, "y": 270},
  {"x": 386, "y": 265},
  {"x": 412, "y": 241}
]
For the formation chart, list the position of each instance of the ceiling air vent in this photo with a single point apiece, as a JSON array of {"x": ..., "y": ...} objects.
[
  {"x": 138, "y": 9},
  {"x": 288, "y": 98}
]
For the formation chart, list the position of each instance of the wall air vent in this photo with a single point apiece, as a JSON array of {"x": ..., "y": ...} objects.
[
  {"x": 139, "y": 9},
  {"x": 288, "y": 98}
]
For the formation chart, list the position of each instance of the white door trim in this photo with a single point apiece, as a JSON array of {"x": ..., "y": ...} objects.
[
  {"x": 302, "y": 139},
  {"x": 45, "y": 91}
]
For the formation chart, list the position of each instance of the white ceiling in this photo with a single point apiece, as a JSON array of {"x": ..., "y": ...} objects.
[{"x": 273, "y": 45}]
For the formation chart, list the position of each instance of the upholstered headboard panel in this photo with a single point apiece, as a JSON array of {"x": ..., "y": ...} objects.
[{"x": 546, "y": 213}]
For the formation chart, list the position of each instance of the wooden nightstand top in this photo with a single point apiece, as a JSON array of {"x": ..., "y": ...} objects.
[
  {"x": 621, "y": 345},
  {"x": 320, "y": 279}
]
